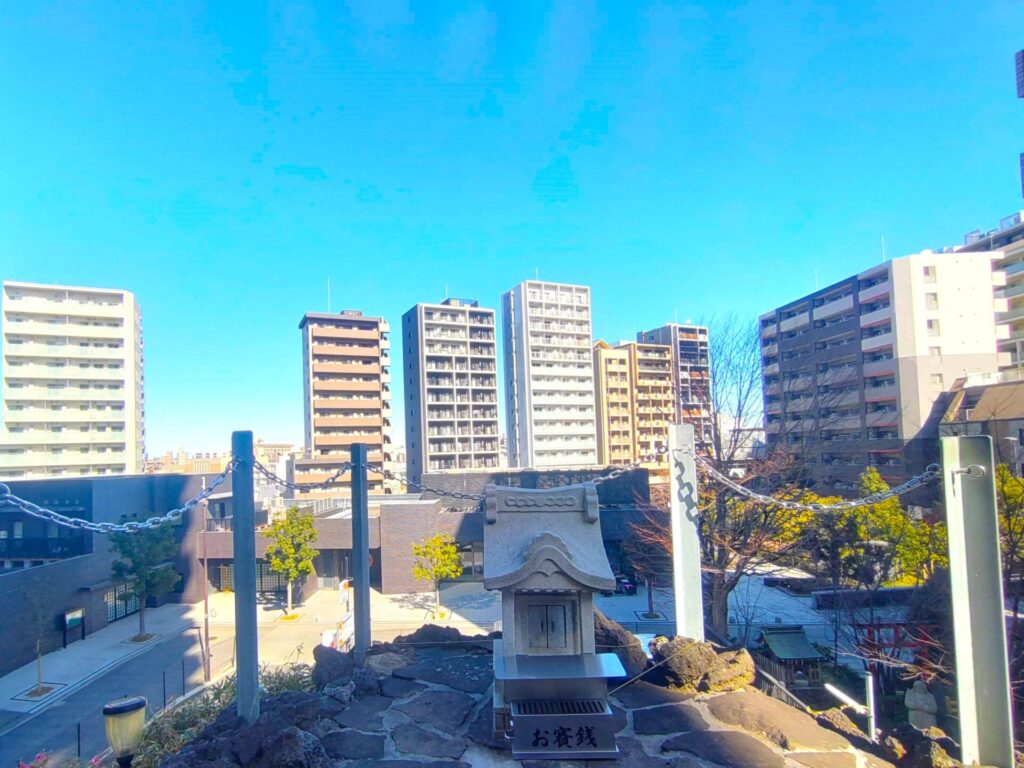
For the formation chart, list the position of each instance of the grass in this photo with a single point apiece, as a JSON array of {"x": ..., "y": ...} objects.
[{"x": 169, "y": 732}]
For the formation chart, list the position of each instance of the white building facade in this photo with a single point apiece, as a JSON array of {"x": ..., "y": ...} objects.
[
  {"x": 549, "y": 375},
  {"x": 72, "y": 382}
]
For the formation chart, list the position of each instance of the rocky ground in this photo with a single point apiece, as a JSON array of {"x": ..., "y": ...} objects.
[{"x": 429, "y": 704}]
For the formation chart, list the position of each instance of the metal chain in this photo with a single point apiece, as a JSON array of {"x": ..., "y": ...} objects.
[
  {"x": 9, "y": 501},
  {"x": 334, "y": 479},
  {"x": 930, "y": 473},
  {"x": 421, "y": 487},
  {"x": 619, "y": 471}
]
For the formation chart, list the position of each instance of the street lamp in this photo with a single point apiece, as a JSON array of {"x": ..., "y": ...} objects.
[{"x": 124, "y": 720}]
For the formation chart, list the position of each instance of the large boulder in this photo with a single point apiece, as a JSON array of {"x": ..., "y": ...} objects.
[
  {"x": 293, "y": 748},
  {"x": 910, "y": 747},
  {"x": 611, "y": 637},
  {"x": 434, "y": 635},
  {"x": 729, "y": 671},
  {"x": 682, "y": 662},
  {"x": 331, "y": 666}
]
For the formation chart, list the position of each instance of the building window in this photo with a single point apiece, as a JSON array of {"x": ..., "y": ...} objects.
[
  {"x": 936, "y": 379},
  {"x": 931, "y": 301},
  {"x": 935, "y": 351},
  {"x": 929, "y": 274},
  {"x": 933, "y": 327}
]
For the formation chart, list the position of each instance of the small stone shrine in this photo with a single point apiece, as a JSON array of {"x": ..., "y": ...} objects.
[{"x": 543, "y": 550}]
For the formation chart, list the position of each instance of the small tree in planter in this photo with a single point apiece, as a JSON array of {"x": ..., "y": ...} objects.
[
  {"x": 291, "y": 553},
  {"x": 437, "y": 558},
  {"x": 144, "y": 566}
]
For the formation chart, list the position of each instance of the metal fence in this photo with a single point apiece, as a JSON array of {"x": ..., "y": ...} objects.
[{"x": 162, "y": 688}]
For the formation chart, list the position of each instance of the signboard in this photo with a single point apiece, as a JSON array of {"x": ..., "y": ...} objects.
[
  {"x": 74, "y": 618},
  {"x": 558, "y": 736},
  {"x": 74, "y": 623}
]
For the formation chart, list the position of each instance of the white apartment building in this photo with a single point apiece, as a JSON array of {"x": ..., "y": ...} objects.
[
  {"x": 451, "y": 387},
  {"x": 852, "y": 372},
  {"x": 72, "y": 382},
  {"x": 549, "y": 372}
]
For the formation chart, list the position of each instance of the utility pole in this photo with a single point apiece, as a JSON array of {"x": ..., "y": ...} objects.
[
  {"x": 686, "y": 579},
  {"x": 207, "y": 674},
  {"x": 244, "y": 541},
  {"x": 976, "y": 586}
]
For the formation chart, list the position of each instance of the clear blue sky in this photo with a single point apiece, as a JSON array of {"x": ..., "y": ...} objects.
[{"x": 224, "y": 161}]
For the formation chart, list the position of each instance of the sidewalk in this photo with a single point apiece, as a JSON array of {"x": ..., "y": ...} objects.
[{"x": 68, "y": 668}]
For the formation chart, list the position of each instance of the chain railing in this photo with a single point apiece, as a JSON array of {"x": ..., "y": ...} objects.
[
  {"x": 9, "y": 501},
  {"x": 931, "y": 472}
]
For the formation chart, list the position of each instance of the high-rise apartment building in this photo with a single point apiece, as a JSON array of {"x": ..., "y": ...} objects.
[
  {"x": 549, "y": 375},
  {"x": 613, "y": 388},
  {"x": 1008, "y": 241},
  {"x": 346, "y": 379},
  {"x": 451, "y": 387},
  {"x": 634, "y": 399},
  {"x": 691, "y": 374},
  {"x": 72, "y": 382},
  {"x": 851, "y": 372}
]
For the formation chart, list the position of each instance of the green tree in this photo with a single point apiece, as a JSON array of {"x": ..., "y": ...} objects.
[
  {"x": 291, "y": 553},
  {"x": 144, "y": 565},
  {"x": 436, "y": 558},
  {"x": 1010, "y": 502}
]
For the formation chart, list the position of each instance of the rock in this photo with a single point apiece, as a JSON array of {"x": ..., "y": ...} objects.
[
  {"x": 631, "y": 755},
  {"x": 386, "y": 663},
  {"x": 342, "y": 694},
  {"x": 348, "y": 744},
  {"x": 323, "y": 727},
  {"x": 910, "y": 747},
  {"x": 413, "y": 740},
  {"x": 396, "y": 688},
  {"x": 730, "y": 671},
  {"x": 293, "y": 748},
  {"x": 433, "y": 634},
  {"x": 367, "y": 683},
  {"x": 725, "y": 748},
  {"x": 777, "y": 722},
  {"x": 481, "y": 730},
  {"x": 443, "y": 710},
  {"x": 668, "y": 718},
  {"x": 406, "y": 764},
  {"x": 299, "y": 708},
  {"x": 330, "y": 666},
  {"x": 365, "y": 714},
  {"x": 609, "y": 636},
  {"x": 835, "y": 719},
  {"x": 469, "y": 672},
  {"x": 642, "y": 694},
  {"x": 683, "y": 662},
  {"x": 825, "y": 759}
]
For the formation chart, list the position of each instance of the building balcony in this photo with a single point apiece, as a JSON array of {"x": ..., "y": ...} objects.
[
  {"x": 880, "y": 368},
  {"x": 797, "y": 321},
  {"x": 838, "y": 375},
  {"x": 66, "y": 351},
  {"x": 346, "y": 350},
  {"x": 346, "y": 386},
  {"x": 770, "y": 370},
  {"x": 326, "y": 441},
  {"x": 769, "y": 331},
  {"x": 887, "y": 392},
  {"x": 114, "y": 460},
  {"x": 65, "y": 437},
  {"x": 874, "y": 318},
  {"x": 348, "y": 421},
  {"x": 43, "y": 548},
  {"x": 366, "y": 334},
  {"x": 770, "y": 350},
  {"x": 357, "y": 368},
  {"x": 834, "y": 307},
  {"x": 876, "y": 342},
  {"x": 369, "y": 404},
  {"x": 63, "y": 416},
  {"x": 882, "y": 418},
  {"x": 883, "y": 288}
]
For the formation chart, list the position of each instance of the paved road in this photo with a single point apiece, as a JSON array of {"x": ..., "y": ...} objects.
[{"x": 155, "y": 673}]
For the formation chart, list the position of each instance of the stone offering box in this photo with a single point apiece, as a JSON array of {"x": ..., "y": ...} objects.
[{"x": 543, "y": 550}]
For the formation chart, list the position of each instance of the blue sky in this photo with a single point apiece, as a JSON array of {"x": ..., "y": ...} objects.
[{"x": 684, "y": 160}]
